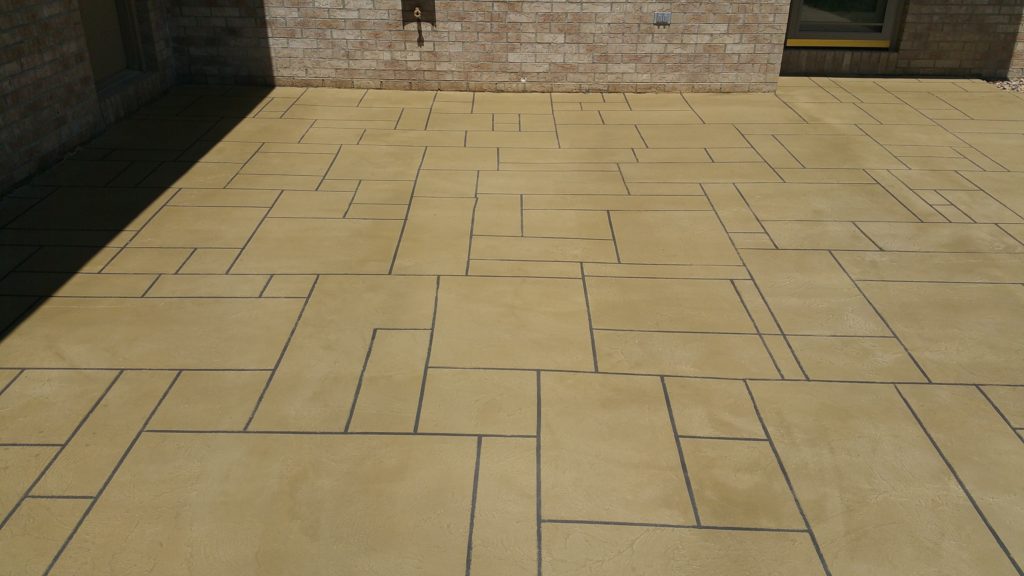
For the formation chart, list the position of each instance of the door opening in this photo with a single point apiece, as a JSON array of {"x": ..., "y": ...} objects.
[{"x": 112, "y": 38}]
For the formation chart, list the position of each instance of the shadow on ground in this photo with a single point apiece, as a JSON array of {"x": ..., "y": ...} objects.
[{"x": 76, "y": 217}]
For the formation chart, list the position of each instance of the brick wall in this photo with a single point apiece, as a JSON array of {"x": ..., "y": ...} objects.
[
  {"x": 563, "y": 45},
  {"x": 1017, "y": 62},
  {"x": 48, "y": 99},
  {"x": 938, "y": 37}
]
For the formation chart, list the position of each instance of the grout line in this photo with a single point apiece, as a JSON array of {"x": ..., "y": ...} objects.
[
  {"x": 868, "y": 236},
  {"x": 680, "y": 526},
  {"x": 882, "y": 318},
  {"x": 739, "y": 256},
  {"x": 739, "y": 192},
  {"x": 5, "y": 387},
  {"x": 359, "y": 382},
  {"x": 32, "y": 252},
  {"x": 757, "y": 328},
  {"x": 333, "y": 433},
  {"x": 284, "y": 350},
  {"x": 782, "y": 332},
  {"x": 785, "y": 476},
  {"x": 252, "y": 234},
  {"x": 472, "y": 225},
  {"x": 156, "y": 278},
  {"x": 472, "y": 506},
  {"x": 997, "y": 409},
  {"x": 426, "y": 362},
  {"x": 615, "y": 243},
  {"x": 266, "y": 284},
  {"x": 110, "y": 477},
  {"x": 185, "y": 261},
  {"x": 127, "y": 244},
  {"x": 554, "y": 371},
  {"x": 994, "y": 199},
  {"x": 729, "y": 438},
  {"x": 1002, "y": 226},
  {"x": 30, "y": 445},
  {"x": 896, "y": 198},
  {"x": 408, "y": 212},
  {"x": 950, "y": 203},
  {"x": 590, "y": 320},
  {"x": 540, "y": 539},
  {"x": 959, "y": 482},
  {"x": 56, "y": 455},
  {"x": 679, "y": 450},
  {"x": 522, "y": 213}
]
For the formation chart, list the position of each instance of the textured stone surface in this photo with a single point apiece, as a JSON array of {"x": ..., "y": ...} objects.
[{"x": 359, "y": 343}]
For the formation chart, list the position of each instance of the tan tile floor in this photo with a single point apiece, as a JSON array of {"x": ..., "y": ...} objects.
[{"x": 317, "y": 331}]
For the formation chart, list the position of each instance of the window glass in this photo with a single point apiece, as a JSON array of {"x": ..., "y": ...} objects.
[
  {"x": 868, "y": 20},
  {"x": 843, "y": 15}
]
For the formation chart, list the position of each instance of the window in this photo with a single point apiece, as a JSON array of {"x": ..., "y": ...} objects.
[{"x": 842, "y": 23}]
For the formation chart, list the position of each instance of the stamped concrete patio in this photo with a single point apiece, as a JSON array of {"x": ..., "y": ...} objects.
[{"x": 318, "y": 331}]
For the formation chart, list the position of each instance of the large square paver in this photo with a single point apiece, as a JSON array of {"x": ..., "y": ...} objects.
[
  {"x": 838, "y": 151},
  {"x": 205, "y": 227},
  {"x": 377, "y": 163},
  {"x": 535, "y": 323},
  {"x": 684, "y": 354},
  {"x": 813, "y": 202},
  {"x": 397, "y": 99},
  {"x": 256, "y": 505},
  {"x": 741, "y": 108},
  {"x": 713, "y": 407},
  {"x": 666, "y": 304},
  {"x": 672, "y": 238},
  {"x": 479, "y": 402},
  {"x": 739, "y": 483},
  {"x": 877, "y": 494},
  {"x": 695, "y": 136},
  {"x": 213, "y": 400},
  {"x": 810, "y": 293},
  {"x": 311, "y": 246},
  {"x": 961, "y": 333},
  {"x": 296, "y": 164},
  {"x": 599, "y": 137},
  {"x": 609, "y": 452}
]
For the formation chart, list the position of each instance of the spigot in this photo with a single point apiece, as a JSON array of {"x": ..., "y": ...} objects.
[{"x": 418, "y": 14}]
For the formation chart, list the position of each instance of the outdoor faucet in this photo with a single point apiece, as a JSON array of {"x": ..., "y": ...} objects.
[
  {"x": 418, "y": 11},
  {"x": 418, "y": 14}
]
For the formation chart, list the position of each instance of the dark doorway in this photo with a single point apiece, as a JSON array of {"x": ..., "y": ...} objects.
[{"x": 111, "y": 35}]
